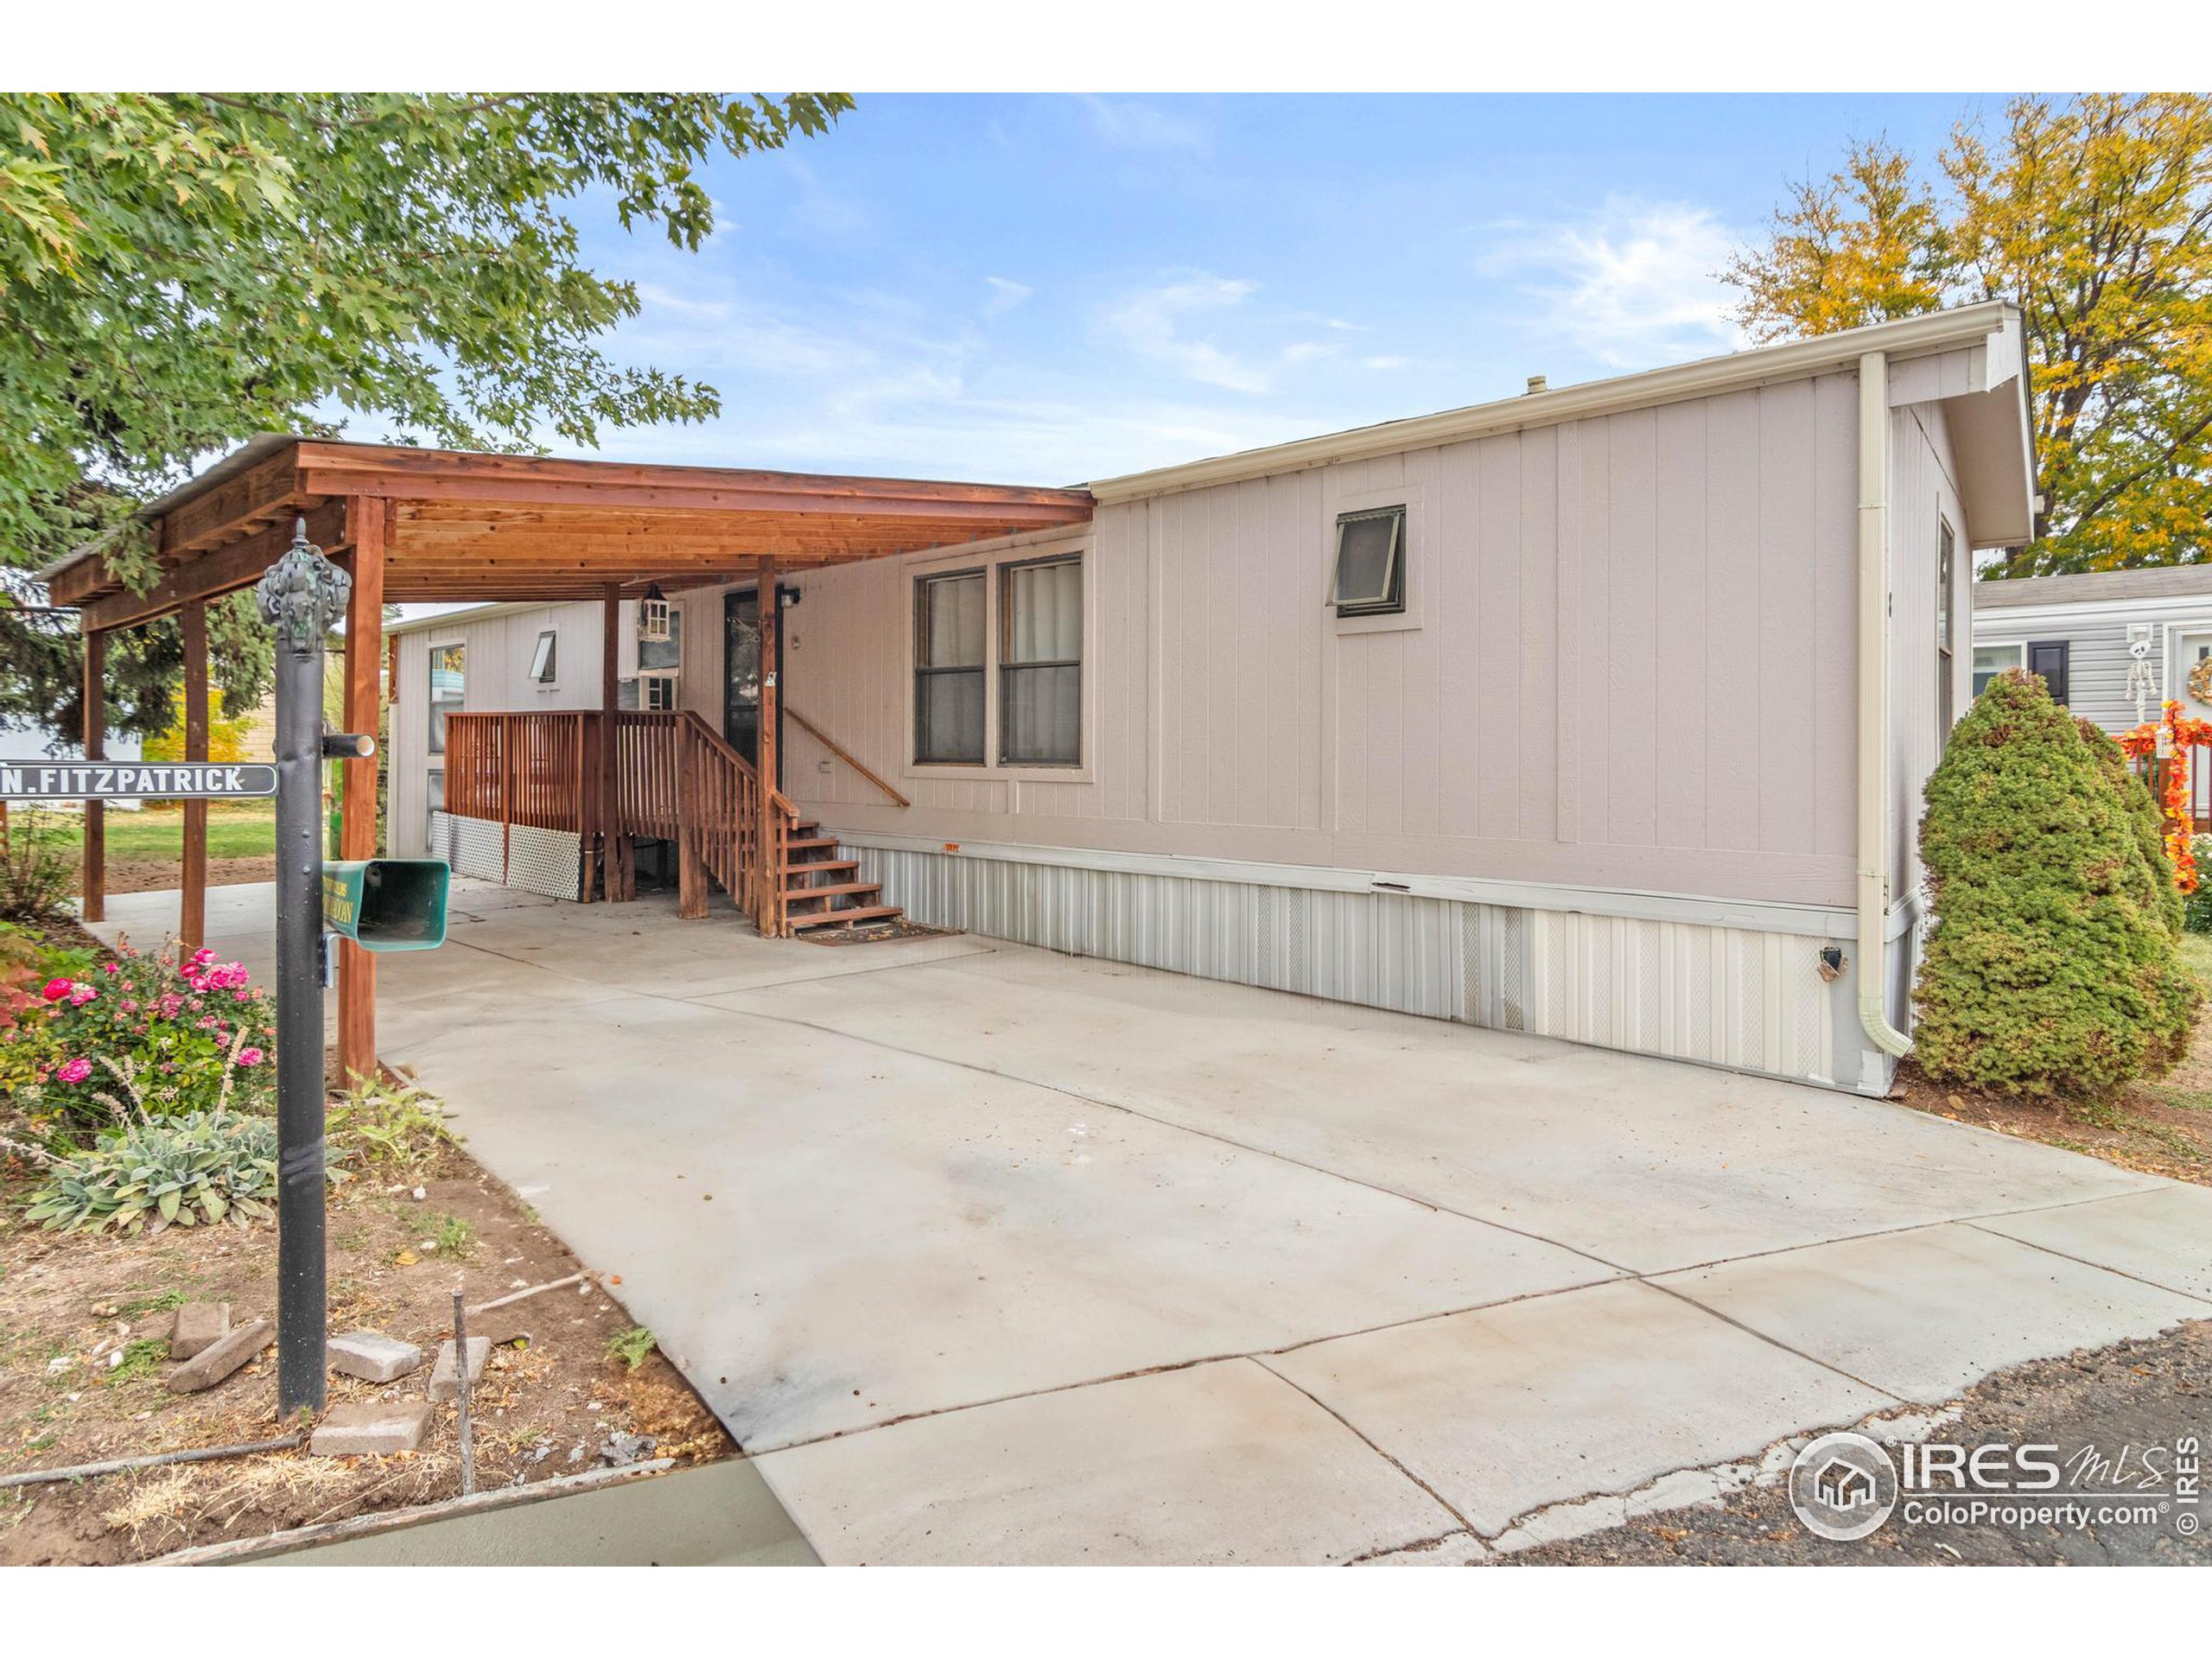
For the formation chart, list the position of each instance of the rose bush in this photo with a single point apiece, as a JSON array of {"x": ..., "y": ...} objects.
[{"x": 141, "y": 1035}]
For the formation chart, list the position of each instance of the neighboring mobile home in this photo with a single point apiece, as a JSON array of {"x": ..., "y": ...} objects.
[
  {"x": 1580, "y": 713},
  {"x": 2112, "y": 644}
]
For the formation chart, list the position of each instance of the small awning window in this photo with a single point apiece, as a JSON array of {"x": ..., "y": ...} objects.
[
  {"x": 1370, "y": 572},
  {"x": 541, "y": 660}
]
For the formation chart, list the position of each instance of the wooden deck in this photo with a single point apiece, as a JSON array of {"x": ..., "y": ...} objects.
[{"x": 669, "y": 778}]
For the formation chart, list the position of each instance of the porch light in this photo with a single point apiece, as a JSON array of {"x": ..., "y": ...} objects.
[{"x": 652, "y": 616}]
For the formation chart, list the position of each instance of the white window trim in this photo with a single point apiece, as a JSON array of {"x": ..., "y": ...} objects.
[
  {"x": 1413, "y": 555},
  {"x": 990, "y": 564},
  {"x": 542, "y": 687},
  {"x": 429, "y": 704}
]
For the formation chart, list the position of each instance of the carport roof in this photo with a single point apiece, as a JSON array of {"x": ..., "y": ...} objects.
[{"x": 465, "y": 526}]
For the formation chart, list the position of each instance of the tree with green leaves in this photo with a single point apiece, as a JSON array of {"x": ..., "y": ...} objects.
[
  {"x": 179, "y": 271},
  {"x": 2095, "y": 214}
]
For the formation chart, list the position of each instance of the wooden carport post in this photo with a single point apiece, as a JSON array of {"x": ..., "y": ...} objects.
[
  {"x": 367, "y": 521},
  {"x": 770, "y": 605},
  {"x": 94, "y": 872},
  {"x": 610, "y": 701},
  {"x": 192, "y": 909}
]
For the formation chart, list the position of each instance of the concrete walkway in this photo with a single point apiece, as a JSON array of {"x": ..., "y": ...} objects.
[{"x": 993, "y": 1255}]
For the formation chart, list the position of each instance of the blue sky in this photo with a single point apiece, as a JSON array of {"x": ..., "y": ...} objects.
[{"x": 1050, "y": 289}]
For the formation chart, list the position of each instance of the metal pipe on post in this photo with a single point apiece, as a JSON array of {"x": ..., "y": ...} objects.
[{"x": 298, "y": 597}]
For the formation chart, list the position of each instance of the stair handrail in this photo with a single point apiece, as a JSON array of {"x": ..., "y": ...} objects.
[{"x": 843, "y": 754}]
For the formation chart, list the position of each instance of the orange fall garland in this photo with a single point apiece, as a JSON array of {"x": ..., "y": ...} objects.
[{"x": 2180, "y": 735}]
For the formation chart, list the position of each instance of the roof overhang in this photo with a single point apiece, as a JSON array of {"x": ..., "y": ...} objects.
[
  {"x": 1967, "y": 328},
  {"x": 465, "y": 526}
]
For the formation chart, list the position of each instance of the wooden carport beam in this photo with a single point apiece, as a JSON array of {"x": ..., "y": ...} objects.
[
  {"x": 260, "y": 497},
  {"x": 367, "y": 518},
  {"x": 209, "y": 576}
]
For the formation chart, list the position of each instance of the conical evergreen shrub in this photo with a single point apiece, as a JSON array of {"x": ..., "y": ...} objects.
[{"x": 2051, "y": 969}]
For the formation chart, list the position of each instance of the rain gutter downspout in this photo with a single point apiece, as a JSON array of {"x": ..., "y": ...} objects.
[{"x": 1874, "y": 702}]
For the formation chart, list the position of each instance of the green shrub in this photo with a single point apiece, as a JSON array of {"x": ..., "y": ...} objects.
[
  {"x": 37, "y": 872},
  {"x": 2050, "y": 969},
  {"x": 183, "y": 1171},
  {"x": 2160, "y": 895},
  {"x": 2197, "y": 907}
]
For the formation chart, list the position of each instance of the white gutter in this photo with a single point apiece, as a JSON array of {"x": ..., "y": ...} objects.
[{"x": 1874, "y": 701}]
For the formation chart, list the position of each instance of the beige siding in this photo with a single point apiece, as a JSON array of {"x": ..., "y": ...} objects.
[
  {"x": 1924, "y": 492},
  {"x": 1630, "y": 666},
  {"x": 499, "y": 651}
]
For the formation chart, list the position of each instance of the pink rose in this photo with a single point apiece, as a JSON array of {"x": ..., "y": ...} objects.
[
  {"x": 56, "y": 990},
  {"x": 75, "y": 1071},
  {"x": 110, "y": 967},
  {"x": 250, "y": 1057},
  {"x": 80, "y": 993}
]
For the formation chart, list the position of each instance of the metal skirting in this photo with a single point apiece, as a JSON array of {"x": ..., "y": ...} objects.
[
  {"x": 547, "y": 862},
  {"x": 1728, "y": 996}
]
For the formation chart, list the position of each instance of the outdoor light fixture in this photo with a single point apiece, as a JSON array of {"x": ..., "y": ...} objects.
[{"x": 652, "y": 616}]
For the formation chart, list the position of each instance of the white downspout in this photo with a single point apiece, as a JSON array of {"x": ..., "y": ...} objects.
[{"x": 1874, "y": 702}]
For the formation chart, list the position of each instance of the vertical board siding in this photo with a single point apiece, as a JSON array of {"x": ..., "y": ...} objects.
[{"x": 1922, "y": 493}]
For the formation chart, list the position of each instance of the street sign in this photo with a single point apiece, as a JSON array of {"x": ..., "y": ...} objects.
[
  {"x": 386, "y": 903},
  {"x": 101, "y": 780}
]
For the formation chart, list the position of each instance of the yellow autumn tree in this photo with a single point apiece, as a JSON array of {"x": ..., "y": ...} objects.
[{"x": 2093, "y": 213}]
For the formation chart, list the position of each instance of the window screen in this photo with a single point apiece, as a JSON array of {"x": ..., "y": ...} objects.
[
  {"x": 1040, "y": 664},
  {"x": 1370, "y": 571},
  {"x": 449, "y": 690},
  {"x": 949, "y": 639},
  {"x": 541, "y": 660}
]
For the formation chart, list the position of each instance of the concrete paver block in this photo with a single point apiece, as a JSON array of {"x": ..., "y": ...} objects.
[
  {"x": 217, "y": 1361},
  {"x": 2165, "y": 1236},
  {"x": 1220, "y": 1462},
  {"x": 373, "y": 1356},
  {"x": 1507, "y": 1409},
  {"x": 1927, "y": 1313},
  {"x": 444, "y": 1384},
  {"x": 199, "y": 1326},
  {"x": 371, "y": 1428}
]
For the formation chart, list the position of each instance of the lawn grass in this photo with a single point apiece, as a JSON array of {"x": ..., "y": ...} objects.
[{"x": 235, "y": 830}]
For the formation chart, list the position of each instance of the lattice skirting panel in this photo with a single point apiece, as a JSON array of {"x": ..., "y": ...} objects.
[
  {"x": 1736, "y": 997},
  {"x": 547, "y": 862}
]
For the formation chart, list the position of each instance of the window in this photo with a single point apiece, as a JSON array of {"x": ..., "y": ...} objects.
[
  {"x": 449, "y": 690},
  {"x": 437, "y": 782},
  {"x": 1990, "y": 661},
  {"x": 948, "y": 642},
  {"x": 1946, "y": 546},
  {"x": 1040, "y": 663},
  {"x": 541, "y": 660},
  {"x": 660, "y": 691},
  {"x": 2050, "y": 657},
  {"x": 1371, "y": 569}
]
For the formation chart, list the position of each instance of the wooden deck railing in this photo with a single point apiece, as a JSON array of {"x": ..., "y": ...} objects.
[{"x": 674, "y": 780}]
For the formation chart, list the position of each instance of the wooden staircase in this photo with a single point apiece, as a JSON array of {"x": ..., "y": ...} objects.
[{"x": 821, "y": 891}]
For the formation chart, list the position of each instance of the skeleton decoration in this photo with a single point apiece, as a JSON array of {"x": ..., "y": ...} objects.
[{"x": 302, "y": 592}]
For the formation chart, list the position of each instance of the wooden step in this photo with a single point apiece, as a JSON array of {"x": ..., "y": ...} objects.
[
  {"x": 833, "y": 891},
  {"x": 820, "y": 867},
  {"x": 858, "y": 913},
  {"x": 811, "y": 843}
]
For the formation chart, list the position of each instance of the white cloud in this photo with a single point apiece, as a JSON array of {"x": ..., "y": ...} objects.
[
  {"x": 1129, "y": 124},
  {"x": 1183, "y": 324},
  {"x": 1384, "y": 362},
  {"x": 1006, "y": 294},
  {"x": 1633, "y": 283}
]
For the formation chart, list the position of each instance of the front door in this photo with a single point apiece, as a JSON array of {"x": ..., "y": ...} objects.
[{"x": 741, "y": 678}]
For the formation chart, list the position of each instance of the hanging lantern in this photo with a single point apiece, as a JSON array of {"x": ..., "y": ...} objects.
[{"x": 652, "y": 616}]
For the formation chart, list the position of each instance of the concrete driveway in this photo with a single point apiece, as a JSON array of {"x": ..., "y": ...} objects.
[{"x": 993, "y": 1255}]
